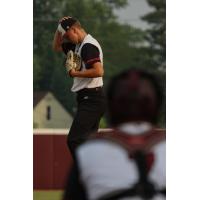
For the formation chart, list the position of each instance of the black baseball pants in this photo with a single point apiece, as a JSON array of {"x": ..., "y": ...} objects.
[{"x": 91, "y": 107}]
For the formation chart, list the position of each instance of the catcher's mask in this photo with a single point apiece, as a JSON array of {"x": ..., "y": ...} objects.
[{"x": 134, "y": 95}]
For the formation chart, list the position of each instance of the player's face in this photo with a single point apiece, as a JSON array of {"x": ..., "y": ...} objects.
[{"x": 71, "y": 35}]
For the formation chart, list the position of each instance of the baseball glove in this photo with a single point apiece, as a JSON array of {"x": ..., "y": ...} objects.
[{"x": 73, "y": 61}]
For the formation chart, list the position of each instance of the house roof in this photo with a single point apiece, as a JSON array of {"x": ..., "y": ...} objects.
[{"x": 37, "y": 96}]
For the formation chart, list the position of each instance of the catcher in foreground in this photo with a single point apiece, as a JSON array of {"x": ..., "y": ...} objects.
[
  {"x": 85, "y": 64},
  {"x": 129, "y": 161}
]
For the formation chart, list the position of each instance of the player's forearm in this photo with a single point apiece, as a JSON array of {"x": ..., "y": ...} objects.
[
  {"x": 57, "y": 42},
  {"x": 89, "y": 73}
]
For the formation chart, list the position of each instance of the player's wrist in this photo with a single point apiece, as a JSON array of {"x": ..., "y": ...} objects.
[{"x": 72, "y": 73}]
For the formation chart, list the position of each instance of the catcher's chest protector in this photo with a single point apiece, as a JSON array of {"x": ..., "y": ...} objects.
[{"x": 139, "y": 149}]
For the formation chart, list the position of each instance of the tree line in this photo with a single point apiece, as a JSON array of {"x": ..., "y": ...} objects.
[{"x": 124, "y": 46}]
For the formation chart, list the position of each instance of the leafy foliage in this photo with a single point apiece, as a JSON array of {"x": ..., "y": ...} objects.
[
  {"x": 157, "y": 34},
  {"x": 123, "y": 46}
]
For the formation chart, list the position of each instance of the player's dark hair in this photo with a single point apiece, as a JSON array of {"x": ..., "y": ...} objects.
[{"x": 134, "y": 95}]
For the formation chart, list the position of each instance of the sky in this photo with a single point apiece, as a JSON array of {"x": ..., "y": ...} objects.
[{"x": 132, "y": 12}]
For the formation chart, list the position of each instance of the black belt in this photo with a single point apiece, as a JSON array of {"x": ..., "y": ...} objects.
[{"x": 90, "y": 90}]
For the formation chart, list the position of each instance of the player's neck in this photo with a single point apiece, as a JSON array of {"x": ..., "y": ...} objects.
[{"x": 83, "y": 34}]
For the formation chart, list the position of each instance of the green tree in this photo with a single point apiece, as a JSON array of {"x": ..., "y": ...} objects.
[
  {"x": 96, "y": 17},
  {"x": 156, "y": 35},
  {"x": 156, "y": 52},
  {"x": 123, "y": 45}
]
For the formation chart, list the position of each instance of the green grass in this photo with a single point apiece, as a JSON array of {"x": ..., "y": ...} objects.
[{"x": 47, "y": 194}]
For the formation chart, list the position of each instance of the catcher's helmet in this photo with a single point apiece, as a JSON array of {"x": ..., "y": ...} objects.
[{"x": 134, "y": 95}]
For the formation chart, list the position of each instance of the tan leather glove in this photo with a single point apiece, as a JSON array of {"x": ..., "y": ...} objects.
[{"x": 73, "y": 61}]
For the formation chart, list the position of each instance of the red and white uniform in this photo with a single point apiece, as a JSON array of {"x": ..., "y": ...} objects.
[
  {"x": 90, "y": 52},
  {"x": 105, "y": 167}
]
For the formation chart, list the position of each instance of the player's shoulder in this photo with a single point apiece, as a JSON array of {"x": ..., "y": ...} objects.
[
  {"x": 90, "y": 39},
  {"x": 89, "y": 50},
  {"x": 89, "y": 46},
  {"x": 160, "y": 146},
  {"x": 160, "y": 150},
  {"x": 98, "y": 147}
]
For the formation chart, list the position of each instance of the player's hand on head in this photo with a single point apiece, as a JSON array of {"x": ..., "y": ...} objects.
[
  {"x": 60, "y": 37},
  {"x": 66, "y": 17}
]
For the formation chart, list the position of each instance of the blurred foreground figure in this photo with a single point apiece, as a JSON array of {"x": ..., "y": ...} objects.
[{"x": 127, "y": 162}]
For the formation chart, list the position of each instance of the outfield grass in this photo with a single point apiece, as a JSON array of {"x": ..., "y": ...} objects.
[{"x": 47, "y": 194}]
